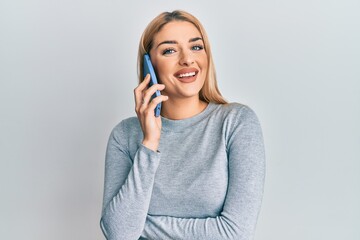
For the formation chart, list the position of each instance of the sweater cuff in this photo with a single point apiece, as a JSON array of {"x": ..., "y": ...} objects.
[
  {"x": 146, "y": 159},
  {"x": 148, "y": 149}
]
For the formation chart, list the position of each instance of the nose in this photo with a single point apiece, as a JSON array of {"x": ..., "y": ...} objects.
[{"x": 186, "y": 58}]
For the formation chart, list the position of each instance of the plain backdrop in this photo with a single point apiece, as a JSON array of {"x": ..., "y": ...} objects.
[{"x": 67, "y": 74}]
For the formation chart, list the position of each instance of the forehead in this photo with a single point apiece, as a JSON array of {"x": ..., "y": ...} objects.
[{"x": 177, "y": 30}]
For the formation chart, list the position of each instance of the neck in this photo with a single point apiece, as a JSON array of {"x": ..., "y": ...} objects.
[{"x": 182, "y": 108}]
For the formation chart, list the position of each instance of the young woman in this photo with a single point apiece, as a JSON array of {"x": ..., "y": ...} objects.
[{"x": 195, "y": 172}]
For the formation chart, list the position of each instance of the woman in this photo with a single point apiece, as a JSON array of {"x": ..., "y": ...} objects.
[{"x": 196, "y": 172}]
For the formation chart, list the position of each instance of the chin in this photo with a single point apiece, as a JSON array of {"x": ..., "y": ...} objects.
[
  {"x": 185, "y": 90},
  {"x": 190, "y": 94}
]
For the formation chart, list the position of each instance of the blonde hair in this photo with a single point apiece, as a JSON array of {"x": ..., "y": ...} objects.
[{"x": 210, "y": 91}]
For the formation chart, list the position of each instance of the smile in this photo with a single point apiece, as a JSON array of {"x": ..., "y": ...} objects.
[
  {"x": 187, "y": 75},
  {"x": 190, "y": 74}
]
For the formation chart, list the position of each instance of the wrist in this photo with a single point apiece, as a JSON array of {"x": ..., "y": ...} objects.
[{"x": 153, "y": 145}]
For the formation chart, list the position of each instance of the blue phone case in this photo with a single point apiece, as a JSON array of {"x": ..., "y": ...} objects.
[{"x": 148, "y": 68}]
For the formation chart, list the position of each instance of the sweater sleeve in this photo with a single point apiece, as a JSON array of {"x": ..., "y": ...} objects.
[
  {"x": 127, "y": 188},
  {"x": 246, "y": 159}
]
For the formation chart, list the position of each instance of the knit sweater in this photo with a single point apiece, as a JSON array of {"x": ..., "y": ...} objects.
[{"x": 205, "y": 181}]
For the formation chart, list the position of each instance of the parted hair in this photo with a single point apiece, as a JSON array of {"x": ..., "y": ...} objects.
[{"x": 210, "y": 91}]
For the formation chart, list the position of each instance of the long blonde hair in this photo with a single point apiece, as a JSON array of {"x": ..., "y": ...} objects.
[{"x": 210, "y": 91}]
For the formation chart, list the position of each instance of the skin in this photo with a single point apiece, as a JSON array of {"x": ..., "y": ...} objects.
[{"x": 178, "y": 48}]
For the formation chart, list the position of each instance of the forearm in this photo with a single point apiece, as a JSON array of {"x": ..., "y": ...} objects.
[
  {"x": 237, "y": 221},
  {"x": 221, "y": 227},
  {"x": 124, "y": 216}
]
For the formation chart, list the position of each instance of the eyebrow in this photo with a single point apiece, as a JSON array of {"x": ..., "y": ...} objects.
[{"x": 175, "y": 42}]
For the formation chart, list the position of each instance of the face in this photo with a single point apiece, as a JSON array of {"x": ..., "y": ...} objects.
[{"x": 180, "y": 60}]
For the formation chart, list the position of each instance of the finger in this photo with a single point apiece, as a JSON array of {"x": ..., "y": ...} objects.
[
  {"x": 147, "y": 94},
  {"x": 138, "y": 91},
  {"x": 145, "y": 82},
  {"x": 155, "y": 102}
]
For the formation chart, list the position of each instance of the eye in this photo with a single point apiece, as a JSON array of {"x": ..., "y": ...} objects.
[
  {"x": 197, "y": 48},
  {"x": 168, "y": 51}
]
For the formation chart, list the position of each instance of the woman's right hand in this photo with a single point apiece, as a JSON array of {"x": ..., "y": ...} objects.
[{"x": 144, "y": 108}]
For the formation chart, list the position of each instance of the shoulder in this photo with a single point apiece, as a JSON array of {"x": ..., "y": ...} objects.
[
  {"x": 237, "y": 112},
  {"x": 239, "y": 120},
  {"x": 241, "y": 125},
  {"x": 128, "y": 125}
]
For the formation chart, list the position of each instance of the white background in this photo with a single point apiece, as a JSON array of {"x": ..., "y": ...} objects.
[{"x": 67, "y": 74}]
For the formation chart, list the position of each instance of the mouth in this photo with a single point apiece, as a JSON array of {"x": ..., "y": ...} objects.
[{"x": 187, "y": 75}]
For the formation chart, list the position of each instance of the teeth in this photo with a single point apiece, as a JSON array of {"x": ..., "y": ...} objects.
[{"x": 190, "y": 74}]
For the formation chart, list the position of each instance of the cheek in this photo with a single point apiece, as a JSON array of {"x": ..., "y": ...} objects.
[
  {"x": 160, "y": 72},
  {"x": 158, "y": 69},
  {"x": 204, "y": 67},
  {"x": 204, "y": 61},
  {"x": 163, "y": 69},
  {"x": 158, "y": 65}
]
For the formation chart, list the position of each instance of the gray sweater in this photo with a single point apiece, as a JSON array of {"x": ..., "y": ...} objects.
[{"x": 205, "y": 182}]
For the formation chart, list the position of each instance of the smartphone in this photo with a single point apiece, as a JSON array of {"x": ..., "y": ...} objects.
[{"x": 148, "y": 68}]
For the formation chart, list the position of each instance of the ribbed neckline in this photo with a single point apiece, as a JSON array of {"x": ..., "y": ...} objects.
[{"x": 169, "y": 125}]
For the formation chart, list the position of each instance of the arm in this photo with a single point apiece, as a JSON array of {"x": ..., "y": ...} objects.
[
  {"x": 129, "y": 182},
  {"x": 243, "y": 200},
  {"x": 128, "y": 188}
]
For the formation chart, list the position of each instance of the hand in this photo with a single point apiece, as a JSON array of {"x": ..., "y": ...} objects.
[{"x": 144, "y": 108}]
